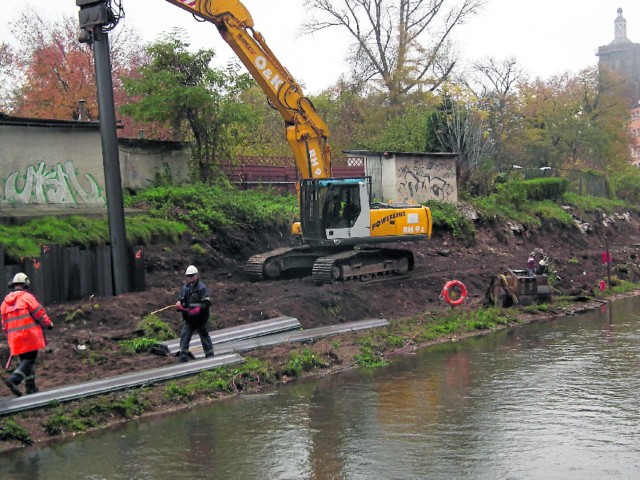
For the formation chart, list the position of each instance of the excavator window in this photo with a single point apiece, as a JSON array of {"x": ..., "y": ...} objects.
[{"x": 342, "y": 206}]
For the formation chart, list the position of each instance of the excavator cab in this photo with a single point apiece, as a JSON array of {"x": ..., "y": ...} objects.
[{"x": 335, "y": 210}]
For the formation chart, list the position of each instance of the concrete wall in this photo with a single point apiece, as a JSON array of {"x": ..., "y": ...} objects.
[
  {"x": 50, "y": 166},
  {"x": 405, "y": 177},
  {"x": 141, "y": 161},
  {"x": 49, "y": 163},
  {"x": 419, "y": 178}
]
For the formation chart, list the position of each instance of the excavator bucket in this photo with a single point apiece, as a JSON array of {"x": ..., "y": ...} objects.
[{"x": 517, "y": 287}]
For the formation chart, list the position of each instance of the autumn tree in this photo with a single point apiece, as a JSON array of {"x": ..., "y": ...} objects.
[
  {"x": 402, "y": 45},
  {"x": 263, "y": 131},
  {"x": 572, "y": 122},
  {"x": 199, "y": 103},
  {"x": 46, "y": 71}
]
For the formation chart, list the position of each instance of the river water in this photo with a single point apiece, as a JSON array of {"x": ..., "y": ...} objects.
[{"x": 553, "y": 400}]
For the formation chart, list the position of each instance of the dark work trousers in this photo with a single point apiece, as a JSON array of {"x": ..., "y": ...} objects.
[
  {"x": 27, "y": 368},
  {"x": 185, "y": 338}
]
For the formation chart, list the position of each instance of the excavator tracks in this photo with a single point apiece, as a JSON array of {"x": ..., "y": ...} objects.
[
  {"x": 364, "y": 264},
  {"x": 265, "y": 265}
]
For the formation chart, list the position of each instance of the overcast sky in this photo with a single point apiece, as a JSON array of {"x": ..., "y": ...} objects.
[{"x": 546, "y": 36}]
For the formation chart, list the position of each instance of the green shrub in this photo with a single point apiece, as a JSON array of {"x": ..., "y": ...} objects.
[
  {"x": 447, "y": 216},
  {"x": 368, "y": 358},
  {"x": 626, "y": 185},
  {"x": 545, "y": 188},
  {"x": 512, "y": 193}
]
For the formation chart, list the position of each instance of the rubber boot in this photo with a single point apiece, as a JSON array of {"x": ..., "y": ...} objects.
[
  {"x": 30, "y": 385},
  {"x": 13, "y": 382}
]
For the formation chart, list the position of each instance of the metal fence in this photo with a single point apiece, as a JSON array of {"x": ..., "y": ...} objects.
[{"x": 280, "y": 177}]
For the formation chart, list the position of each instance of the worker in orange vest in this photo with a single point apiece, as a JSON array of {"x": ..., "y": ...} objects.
[{"x": 23, "y": 321}]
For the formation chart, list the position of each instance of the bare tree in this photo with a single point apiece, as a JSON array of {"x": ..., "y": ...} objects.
[
  {"x": 496, "y": 77},
  {"x": 460, "y": 126},
  {"x": 495, "y": 83},
  {"x": 402, "y": 44}
]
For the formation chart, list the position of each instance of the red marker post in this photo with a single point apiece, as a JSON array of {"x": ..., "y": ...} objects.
[{"x": 607, "y": 259}]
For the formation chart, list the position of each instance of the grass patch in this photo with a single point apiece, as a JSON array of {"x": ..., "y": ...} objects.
[
  {"x": 303, "y": 361},
  {"x": 447, "y": 216},
  {"x": 26, "y": 240},
  {"x": 369, "y": 358},
  {"x": 154, "y": 330},
  {"x": 588, "y": 203},
  {"x": 426, "y": 327},
  {"x": 137, "y": 345},
  {"x": 549, "y": 212},
  {"x": 212, "y": 207},
  {"x": 12, "y": 430},
  {"x": 619, "y": 286},
  {"x": 93, "y": 414},
  {"x": 154, "y": 327},
  {"x": 222, "y": 380}
]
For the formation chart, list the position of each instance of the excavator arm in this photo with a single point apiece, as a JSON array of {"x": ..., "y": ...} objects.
[{"x": 305, "y": 131}]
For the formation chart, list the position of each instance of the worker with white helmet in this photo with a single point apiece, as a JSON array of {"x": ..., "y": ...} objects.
[
  {"x": 194, "y": 303},
  {"x": 23, "y": 320}
]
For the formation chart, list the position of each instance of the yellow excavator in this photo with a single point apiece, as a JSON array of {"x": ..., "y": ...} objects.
[{"x": 340, "y": 227}]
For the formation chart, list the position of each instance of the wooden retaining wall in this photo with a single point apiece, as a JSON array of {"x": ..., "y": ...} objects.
[{"x": 72, "y": 273}]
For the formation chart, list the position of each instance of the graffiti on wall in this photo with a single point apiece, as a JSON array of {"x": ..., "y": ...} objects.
[
  {"x": 56, "y": 185},
  {"x": 423, "y": 180}
]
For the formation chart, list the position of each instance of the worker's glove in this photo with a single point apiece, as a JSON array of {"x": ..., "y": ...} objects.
[
  {"x": 181, "y": 308},
  {"x": 194, "y": 311}
]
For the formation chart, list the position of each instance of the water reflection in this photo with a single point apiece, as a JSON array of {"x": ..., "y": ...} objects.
[{"x": 548, "y": 400}]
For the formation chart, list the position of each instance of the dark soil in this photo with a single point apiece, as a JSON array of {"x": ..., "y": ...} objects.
[
  {"x": 84, "y": 343},
  {"x": 99, "y": 323}
]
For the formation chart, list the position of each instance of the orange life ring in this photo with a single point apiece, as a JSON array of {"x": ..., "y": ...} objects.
[{"x": 450, "y": 285}]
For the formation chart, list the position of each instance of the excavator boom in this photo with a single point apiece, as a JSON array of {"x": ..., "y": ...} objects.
[{"x": 305, "y": 131}]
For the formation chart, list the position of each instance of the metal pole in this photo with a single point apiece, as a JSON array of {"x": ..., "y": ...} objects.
[{"x": 111, "y": 161}]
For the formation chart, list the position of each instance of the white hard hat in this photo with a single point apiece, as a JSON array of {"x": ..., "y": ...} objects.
[
  {"x": 20, "y": 278},
  {"x": 191, "y": 270}
]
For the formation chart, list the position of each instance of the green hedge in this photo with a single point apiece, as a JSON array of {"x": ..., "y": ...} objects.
[{"x": 545, "y": 188}]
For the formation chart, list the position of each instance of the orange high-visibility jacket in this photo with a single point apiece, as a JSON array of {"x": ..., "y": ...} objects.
[{"x": 22, "y": 320}]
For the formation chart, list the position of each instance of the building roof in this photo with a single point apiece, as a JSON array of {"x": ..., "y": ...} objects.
[
  {"x": 404, "y": 154},
  {"x": 47, "y": 123}
]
